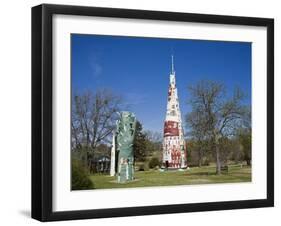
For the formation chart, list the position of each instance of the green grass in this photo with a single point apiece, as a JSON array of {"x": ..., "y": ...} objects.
[{"x": 195, "y": 175}]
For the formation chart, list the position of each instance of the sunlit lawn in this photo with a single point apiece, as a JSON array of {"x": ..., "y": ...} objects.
[{"x": 195, "y": 175}]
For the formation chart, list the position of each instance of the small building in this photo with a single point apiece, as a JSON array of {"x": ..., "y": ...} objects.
[{"x": 100, "y": 164}]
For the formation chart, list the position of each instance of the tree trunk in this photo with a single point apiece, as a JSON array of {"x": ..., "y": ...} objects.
[
  {"x": 218, "y": 166},
  {"x": 218, "y": 161},
  {"x": 200, "y": 158}
]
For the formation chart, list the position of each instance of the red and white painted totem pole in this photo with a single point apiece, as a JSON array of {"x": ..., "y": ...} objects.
[{"x": 174, "y": 148}]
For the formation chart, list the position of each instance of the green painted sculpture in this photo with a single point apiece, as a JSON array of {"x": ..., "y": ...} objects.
[{"x": 125, "y": 134}]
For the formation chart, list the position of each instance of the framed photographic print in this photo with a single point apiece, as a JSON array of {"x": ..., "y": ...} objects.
[{"x": 145, "y": 112}]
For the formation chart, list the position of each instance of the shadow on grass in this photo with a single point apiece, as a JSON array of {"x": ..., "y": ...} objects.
[{"x": 200, "y": 174}]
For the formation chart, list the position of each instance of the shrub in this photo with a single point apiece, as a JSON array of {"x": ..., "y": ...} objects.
[
  {"x": 141, "y": 167},
  {"x": 80, "y": 176},
  {"x": 206, "y": 162},
  {"x": 154, "y": 162}
]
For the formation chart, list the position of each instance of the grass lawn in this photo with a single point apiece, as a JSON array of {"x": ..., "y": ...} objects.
[{"x": 195, "y": 175}]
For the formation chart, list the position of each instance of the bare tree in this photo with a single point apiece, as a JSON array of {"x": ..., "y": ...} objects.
[
  {"x": 154, "y": 143},
  {"x": 154, "y": 136},
  {"x": 213, "y": 115},
  {"x": 93, "y": 118},
  {"x": 198, "y": 125}
]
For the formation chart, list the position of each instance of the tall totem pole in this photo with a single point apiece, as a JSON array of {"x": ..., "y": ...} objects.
[{"x": 174, "y": 148}]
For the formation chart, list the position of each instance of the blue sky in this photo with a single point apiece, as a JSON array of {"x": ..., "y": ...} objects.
[{"x": 138, "y": 69}]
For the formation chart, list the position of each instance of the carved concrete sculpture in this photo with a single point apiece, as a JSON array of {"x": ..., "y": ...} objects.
[{"x": 125, "y": 134}]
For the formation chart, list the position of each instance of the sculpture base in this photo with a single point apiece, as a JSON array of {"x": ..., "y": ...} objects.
[{"x": 126, "y": 173}]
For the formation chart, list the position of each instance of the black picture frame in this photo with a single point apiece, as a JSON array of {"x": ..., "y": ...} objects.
[{"x": 42, "y": 111}]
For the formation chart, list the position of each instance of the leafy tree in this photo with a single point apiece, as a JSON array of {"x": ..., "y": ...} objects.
[{"x": 139, "y": 143}]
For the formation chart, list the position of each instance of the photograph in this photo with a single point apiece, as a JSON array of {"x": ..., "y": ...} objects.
[
  {"x": 145, "y": 112},
  {"x": 148, "y": 111}
]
